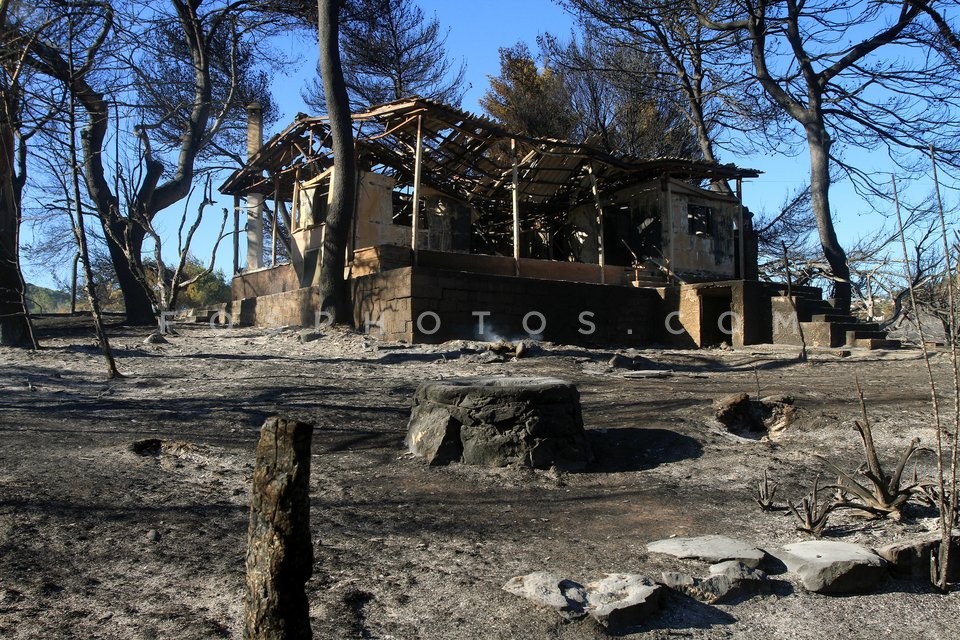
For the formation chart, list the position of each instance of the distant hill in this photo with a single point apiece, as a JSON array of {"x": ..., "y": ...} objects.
[{"x": 43, "y": 300}]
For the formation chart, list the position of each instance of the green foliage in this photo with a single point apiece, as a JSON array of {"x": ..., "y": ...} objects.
[
  {"x": 609, "y": 96},
  {"x": 528, "y": 100},
  {"x": 211, "y": 288},
  {"x": 44, "y": 300}
]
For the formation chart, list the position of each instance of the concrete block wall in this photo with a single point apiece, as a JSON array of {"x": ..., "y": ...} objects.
[
  {"x": 290, "y": 308},
  {"x": 383, "y": 298},
  {"x": 785, "y": 326},
  {"x": 423, "y": 304},
  {"x": 432, "y": 305},
  {"x": 264, "y": 282}
]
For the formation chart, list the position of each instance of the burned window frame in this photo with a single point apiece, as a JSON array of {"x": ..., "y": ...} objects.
[{"x": 700, "y": 219}]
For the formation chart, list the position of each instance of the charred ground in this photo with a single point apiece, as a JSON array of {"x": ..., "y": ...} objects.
[{"x": 99, "y": 540}]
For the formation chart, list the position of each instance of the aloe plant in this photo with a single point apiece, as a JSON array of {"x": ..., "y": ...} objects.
[
  {"x": 811, "y": 513},
  {"x": 765, "y": 494},
  {"x": 883, "y": 496}
]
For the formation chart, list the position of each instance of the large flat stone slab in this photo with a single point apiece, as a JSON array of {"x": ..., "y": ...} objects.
[
  {"x": 712, "y": 549},
  {"x": 826, "y": 566}
]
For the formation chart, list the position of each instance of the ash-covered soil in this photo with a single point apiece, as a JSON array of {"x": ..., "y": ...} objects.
[{"x": 100, "y": 541}]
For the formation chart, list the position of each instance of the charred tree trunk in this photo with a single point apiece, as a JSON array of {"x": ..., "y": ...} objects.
[
  {"x": 329, "y": 276},
  {"x": 14, "y": 327},
  {"x": 818, "y": 141},
  {"x": 14, "y": 322},
  {"x": 137, "y": 303},
  {"x": 279, "y": 548}
]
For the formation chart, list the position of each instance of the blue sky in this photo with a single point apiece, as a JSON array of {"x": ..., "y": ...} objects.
[{"x": 476, "y": 31}]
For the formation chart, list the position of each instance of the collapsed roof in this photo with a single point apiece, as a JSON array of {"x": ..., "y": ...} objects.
[{"x": 466, "y": 156}]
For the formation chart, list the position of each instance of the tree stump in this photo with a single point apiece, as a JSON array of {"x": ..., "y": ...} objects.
[
  {"x": 279, "y": 548},
  {"x": 494, "y": 422}
]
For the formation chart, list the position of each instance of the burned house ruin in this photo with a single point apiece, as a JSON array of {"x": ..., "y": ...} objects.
[{"x": 465, "y": 230}]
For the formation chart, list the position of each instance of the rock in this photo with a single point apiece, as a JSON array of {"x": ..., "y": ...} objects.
[
  {"x": 727, "y": 581},
  {"x": 153, "y": 535},
  {"x": 155, "y": 338},
  {"x": 486, "y": 357},
  {"x": 309, "y": 335},
  {"x": 632, "y": 362},
  {"x": 566, "y": 597},
  {"x": 619, "y": 361},
  {"x": 731, "y": 579},
  {"x": 495, "y": 422},
  {"x": 620, "y": 600},
  {"x": 526, "y": 348},
  {"x": 436, "y": 436},
  {"x": 826, "y": 566},
  {"x": 679, "y": 581},
  {"x": 710, "y": 549},
  {"x": 911, "y": 558}
]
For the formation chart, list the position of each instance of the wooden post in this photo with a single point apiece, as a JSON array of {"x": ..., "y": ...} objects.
[
  {"x": 279, "y": 547},
  {"x": 236, "y": 234},
  {"x": 671, "y": 226},
  {"x": 295, "y": 215},
  {"x": 601, "y": 258},
  {"x": 418, "y": 159},
  {"x": 273, "y": 227},
  {"x": 516, "y": 207},
  {"x": 740, "y": 230}
]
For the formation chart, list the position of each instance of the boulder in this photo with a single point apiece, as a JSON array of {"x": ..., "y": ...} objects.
[
  {"x": 826, "y": 566},
  {"x": 711, "y": 549},
  {"x": 566, "y": 597},
  {"x": 620, "y": 361},
  {"x": 632, "y": 362},
  {"x": 309, "y": 335},
  {"x": 728, "y": 581},
  {"x": 621, "y": 600},
  {"x": 911, "y": 558},
  {"x": 495, "y": 422}
]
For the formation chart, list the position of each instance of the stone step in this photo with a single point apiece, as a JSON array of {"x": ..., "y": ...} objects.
[
  {"x": 833, "y": 317},
  {"x": 824, "y": 334},
  {"x": 876, "y": 343},
  {"x": 866, "y": 333},
  {"x": 837, "y": 334},
  {"x": 195, "y": 316}
]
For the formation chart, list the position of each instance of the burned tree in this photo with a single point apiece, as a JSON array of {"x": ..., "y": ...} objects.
[
  {"x": 15, "y": 329},
  {"x": 620, "y": 99},
  {"x": 184, "y": 82},
  {"x": 691, "y": 68},
  {"x": 329, "y": 275},
  {"x": 390, "y": 50},
  {"x": 820, "y": 64}
]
